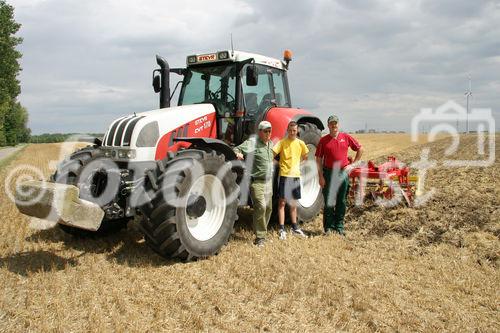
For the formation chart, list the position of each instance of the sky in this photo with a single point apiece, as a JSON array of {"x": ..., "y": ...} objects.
[{"x": 375, "y": 64}]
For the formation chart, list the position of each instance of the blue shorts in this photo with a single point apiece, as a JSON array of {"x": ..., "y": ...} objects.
[{"x": 289, "y": 188}]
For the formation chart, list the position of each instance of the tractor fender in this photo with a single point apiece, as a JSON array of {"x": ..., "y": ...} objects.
[
  {"x": 301, "y": 119},
  {"x": 220, "y": 147},
  {"x": 214, "y": 144},
  {"x": 280, "y": 117}
]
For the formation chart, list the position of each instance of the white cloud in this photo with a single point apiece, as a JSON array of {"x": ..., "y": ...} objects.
[{"x": 377, "y": 61}]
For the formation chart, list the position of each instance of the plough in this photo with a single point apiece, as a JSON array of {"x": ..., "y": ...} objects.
[{"x": 387, "y": 181}]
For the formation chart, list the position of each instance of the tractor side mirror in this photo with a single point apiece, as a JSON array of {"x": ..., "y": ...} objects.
[
  {"x": 252, "y": 76},
  {"x": 156, "y": 82}
]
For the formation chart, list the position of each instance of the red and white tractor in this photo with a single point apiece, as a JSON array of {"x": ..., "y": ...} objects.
[{"x": 174, "y": 168}]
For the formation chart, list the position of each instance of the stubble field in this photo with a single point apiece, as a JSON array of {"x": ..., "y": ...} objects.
[{"x": 435, "y": 267}]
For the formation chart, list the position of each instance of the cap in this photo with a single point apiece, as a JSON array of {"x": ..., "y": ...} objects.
[
  {"x": 333, "y": 118},
  {"x": 264, "y": 125}
]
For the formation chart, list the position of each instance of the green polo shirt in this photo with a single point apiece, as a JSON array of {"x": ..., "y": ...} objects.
[{"x": 262, "y": 155}]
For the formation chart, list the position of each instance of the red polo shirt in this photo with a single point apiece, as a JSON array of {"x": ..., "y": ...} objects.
[{"x": 334, "y": 150}]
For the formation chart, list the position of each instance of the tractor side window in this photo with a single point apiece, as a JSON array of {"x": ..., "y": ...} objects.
[
  {"x": 195, "y": 90},
  {"x": 257, "y": 96},
  {"x": 279, "y": 88}
]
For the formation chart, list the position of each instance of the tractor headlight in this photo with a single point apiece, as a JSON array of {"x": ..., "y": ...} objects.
[
  {"x": 223, "y": 55},
  {"x": 131, "y": 154},
  {"x": 128, "y": 154}
]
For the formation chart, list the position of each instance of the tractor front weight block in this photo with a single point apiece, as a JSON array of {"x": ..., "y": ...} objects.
[{"x": 58, "y": 203}]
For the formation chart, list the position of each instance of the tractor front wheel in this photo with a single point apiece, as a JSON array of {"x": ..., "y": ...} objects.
[{"x": 194, "y": 207}]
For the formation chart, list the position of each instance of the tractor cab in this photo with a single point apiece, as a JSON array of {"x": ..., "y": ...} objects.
[{"x": 241, "y": 86}]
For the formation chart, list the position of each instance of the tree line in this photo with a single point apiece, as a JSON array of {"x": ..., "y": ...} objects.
[
  {"x": 13, "y": 116},
  {"x": 59, "y": 137}
]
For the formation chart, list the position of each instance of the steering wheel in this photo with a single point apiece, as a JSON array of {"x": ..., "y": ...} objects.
[{"x": 218, "y": 94}]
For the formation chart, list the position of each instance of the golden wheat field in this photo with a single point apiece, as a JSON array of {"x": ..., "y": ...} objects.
[{"x": 431, "y": 268}]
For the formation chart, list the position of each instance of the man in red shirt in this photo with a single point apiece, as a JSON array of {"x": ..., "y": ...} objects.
[{"x": 333, "y": 167}]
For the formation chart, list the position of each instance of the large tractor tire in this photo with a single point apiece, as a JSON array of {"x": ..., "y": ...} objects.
[
  {"x": 193, "y": 205},
  {"x": 73, "y": 171},
  {"x": 311, "y": 203}
]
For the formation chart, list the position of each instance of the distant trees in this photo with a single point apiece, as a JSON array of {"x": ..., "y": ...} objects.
[{"x": 13, "y": 116}]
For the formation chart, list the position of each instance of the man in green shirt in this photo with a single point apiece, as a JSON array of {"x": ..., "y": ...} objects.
[{"x": 258, "y": 150}]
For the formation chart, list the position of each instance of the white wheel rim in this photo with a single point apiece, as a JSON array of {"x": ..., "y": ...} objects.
[
  {"x": 309, "y": 180},
  {"x": 207, "y": 225}
]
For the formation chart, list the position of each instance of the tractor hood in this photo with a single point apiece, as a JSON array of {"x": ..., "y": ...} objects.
[{"x": 142, "y": 132}]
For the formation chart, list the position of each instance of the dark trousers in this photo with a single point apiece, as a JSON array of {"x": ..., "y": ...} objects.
[{"x": 335, "y": 195}]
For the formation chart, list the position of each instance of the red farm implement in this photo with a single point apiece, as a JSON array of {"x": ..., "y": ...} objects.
[{"x": 389, "y": 182}]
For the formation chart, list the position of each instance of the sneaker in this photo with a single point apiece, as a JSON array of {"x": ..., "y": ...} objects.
[
  {"x": 282, "y": 234},
  {"x": 299, "y": 233},
  {"x": 259, "y": 242}
]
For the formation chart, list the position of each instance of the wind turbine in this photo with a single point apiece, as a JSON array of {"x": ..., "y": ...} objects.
[{"x": 468, "y": 94}]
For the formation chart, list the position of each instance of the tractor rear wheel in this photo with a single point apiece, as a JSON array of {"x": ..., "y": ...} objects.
[
  {"x": 194, "y": 205},
  {"x": 70, "y": 172}
]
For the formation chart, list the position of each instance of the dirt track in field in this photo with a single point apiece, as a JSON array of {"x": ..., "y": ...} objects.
[
  {"x": 5, "y": 152},
  {"x": 422, "y": 269}
]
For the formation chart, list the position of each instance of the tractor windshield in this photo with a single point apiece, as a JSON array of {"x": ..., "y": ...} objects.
[{"x": 213, "y": 84}]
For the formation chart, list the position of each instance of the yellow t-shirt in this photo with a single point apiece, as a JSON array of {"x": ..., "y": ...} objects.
[{"x": 291, "y": 152}]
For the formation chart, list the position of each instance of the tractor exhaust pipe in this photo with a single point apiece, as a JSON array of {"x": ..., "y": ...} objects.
[{"x": 161, "y": 81}]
